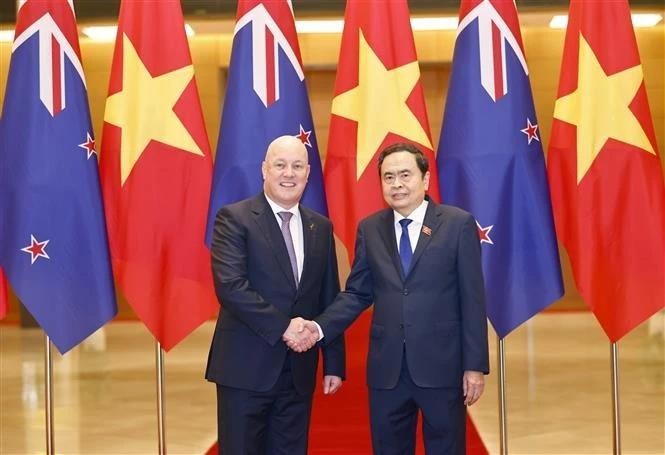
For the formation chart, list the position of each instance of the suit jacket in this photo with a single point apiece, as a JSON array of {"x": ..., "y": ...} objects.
[
  {"x": 436, "y": 314},
  {"x": 254, "y": 283}
]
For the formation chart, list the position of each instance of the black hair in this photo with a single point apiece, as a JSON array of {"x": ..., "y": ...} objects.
[{"x": 421, "y": 159}]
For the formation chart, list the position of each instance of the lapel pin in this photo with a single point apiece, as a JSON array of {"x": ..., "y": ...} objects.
[
  {"x": 311, "y": 226},
  {"x": 427, "y": 231}
]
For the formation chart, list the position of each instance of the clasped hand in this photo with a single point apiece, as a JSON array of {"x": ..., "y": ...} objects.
[{"x": 301, "y": 335}]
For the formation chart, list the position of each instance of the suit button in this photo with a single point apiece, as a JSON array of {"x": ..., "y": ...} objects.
[{"x": 405, "y": 292}]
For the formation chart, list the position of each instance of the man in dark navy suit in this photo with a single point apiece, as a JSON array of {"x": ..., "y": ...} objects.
[
  {"x": 419, "y": 263},
  {"x": 273, "y": 262}
]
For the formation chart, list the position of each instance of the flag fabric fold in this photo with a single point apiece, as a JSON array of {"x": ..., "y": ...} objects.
[
  {"x": 266, "y": 97},
  {"x": 607, "y": 183},
  {"x": 156, "y": 171},
  {"x": 378, "y": 101},
  {"x": 491, "y": 164},
  {"x": 53, "y": 242},
  {"x": 4, "y": 302}
]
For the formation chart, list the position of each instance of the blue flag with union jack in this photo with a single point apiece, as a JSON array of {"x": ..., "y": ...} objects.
[
  {"x": 490, "y": 162},
  {"x": 53, "y": 243},
  {"x": 266, "y": 97}
]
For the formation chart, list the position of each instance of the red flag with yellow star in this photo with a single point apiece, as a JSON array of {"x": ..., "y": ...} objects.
[
  {"x": 156, "y": 172},
  {"x": 605, "y": 173},
  {"x": 378, "y": 101}
]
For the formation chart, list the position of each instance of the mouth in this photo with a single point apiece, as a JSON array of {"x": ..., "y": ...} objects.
[
  {"x": 287, "y": 184},
  {"x": 399, "y": 196}
]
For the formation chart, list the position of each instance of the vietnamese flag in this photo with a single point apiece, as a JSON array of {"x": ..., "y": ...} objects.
[
  {"x": 605, "y": 174},
  {"x": 378, "y": 101},
  {"x": 156, "y": 172},
  {"x": 4, "y": 303}
]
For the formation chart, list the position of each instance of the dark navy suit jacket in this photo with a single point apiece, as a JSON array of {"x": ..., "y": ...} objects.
[
  {"x": 436, "y": 314},
  {"x": 254, "y": 283}
]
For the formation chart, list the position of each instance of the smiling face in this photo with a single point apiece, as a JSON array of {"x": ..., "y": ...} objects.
[
  {"x": 403, "y": 183},
  {"x": 285, "y": 171}
]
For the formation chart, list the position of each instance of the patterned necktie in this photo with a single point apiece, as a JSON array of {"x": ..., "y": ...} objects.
[
  {"x": 405, "y": 253},
  {"x": 286, "y": 233}
]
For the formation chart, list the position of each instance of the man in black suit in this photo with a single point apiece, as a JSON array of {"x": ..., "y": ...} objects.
[
  {"x": 419, "y": 263},
  {"x": 273, "y": 262}
]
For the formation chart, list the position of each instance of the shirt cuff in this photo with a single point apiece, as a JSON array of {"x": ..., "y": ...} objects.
[{"x": 318, "y": 327}]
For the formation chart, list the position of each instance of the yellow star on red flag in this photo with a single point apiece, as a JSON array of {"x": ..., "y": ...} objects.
[
  {"x": 378, "y": 104},
  {"x": 143, "y": 109},
  {"x": 600, "y": 108}
]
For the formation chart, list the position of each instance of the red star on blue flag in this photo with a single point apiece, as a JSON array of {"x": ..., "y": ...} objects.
[
  {"x": 36, "y": 249},
  {"x": 531, "y": 131},
  {"x": 484, "y": 233},
  {"x": 89, "y": 146},
  {"x": 304, "y": 136}
]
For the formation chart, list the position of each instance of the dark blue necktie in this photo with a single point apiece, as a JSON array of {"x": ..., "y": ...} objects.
[{"x": 405, "y": 253}]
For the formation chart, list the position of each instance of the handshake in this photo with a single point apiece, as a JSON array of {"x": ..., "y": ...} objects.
[{"x": 301, "y": 335}]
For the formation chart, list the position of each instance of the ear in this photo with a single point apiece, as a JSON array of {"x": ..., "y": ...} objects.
[
  {"x": 264, "y": 169},
  {"x": 426, "y": 180}
]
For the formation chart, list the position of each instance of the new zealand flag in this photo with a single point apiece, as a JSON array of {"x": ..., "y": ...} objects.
[
  {"x": 266, "y": 97},
  {"x": 491, "y": 163},
  {"x": 53, "y": 243}
]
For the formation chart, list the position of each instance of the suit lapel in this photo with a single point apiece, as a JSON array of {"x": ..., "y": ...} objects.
[
  {"x": 387, "y": 232},
  {"x": 431, "y": 223},
  {"x": 269, "y": 226},
  {"x": 309, "y": 235}
]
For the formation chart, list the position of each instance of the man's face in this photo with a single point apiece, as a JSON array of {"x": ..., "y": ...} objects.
[
  {"x": 285, "y": 171},
  {"x": 402, "y": 182}
]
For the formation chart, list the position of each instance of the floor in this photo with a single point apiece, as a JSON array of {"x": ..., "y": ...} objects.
[{"x": 558, "y": 391}]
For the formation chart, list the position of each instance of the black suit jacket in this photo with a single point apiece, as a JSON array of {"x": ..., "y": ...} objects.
[
  {"x": 436, "y": 314},
  {"x": 254, "y": 283}
]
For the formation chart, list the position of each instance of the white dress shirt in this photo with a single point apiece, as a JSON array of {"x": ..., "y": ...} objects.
[
  {"x": 417, "y": 217},
  {"x": 295, "y": 226}
]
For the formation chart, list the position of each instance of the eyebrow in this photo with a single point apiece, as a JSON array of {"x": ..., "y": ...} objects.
[
  {"x": 285, "y": 161},
  {"x": 397, "y": 172}
]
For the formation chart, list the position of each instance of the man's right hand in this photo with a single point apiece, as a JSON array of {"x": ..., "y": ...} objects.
[{"x": 301, "y": 335}]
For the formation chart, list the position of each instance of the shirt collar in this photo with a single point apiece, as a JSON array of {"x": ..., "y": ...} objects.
[
  {"x": 295, "y": 210},
  {"x": 417, "y": 216}
]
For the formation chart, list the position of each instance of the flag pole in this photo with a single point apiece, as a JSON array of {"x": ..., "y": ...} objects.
[
  {"x": 159, "y": 364},
  {"x": 503, "y": 439},
  {"x": 616, "y": 420},
  {"x": 48, "y": 375},
  {"x": 48, "y": 395}
]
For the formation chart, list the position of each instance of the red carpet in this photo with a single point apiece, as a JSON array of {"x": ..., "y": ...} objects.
[{"x": 340, "y": 423}]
